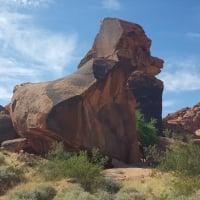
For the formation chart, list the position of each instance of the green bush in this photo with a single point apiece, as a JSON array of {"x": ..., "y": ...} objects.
[
  {"x": 129, "y": 194},
  {"x": 53, "y": 170},
  {"x": 74, "y": 192},
  {"x": 152, "y": 155},
  {"x": 29, "y": 160},
  {"x": 96, "y": 157},
  {"x": 41, "y": 192},
  {"x": 111, "y": 185},
  {"x": 10, "y": 176},
  {"x": 88, "y": 174},
  {"x": 186, "y": 186},
  {"x": 2, "y": 158},
  {"x": 57, "y": 152},
  {"x": 182, "y": 159},
  {"x": 102, "y": 195},
  {"x": 146, "y": 131},
  {"x": 87, "y": 170}
]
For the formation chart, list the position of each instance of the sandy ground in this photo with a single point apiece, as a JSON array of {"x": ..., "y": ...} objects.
[
  {"x": 128, "y": 173},
  {"x": 122, "y": 171}
]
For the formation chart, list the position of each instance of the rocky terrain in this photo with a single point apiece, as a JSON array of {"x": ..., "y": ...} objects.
[
  {"x": 184, "y": 121},
  {"x": 95, "y": 106}
]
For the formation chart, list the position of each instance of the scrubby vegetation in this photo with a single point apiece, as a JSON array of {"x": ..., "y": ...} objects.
[
  {"x": 175, "y": 173},
  {"x": 41, "y": 192},
  {"x": 9, "y": 177},
  {"x": 146, "y": 131},
  {"x": 86, "y": 170},
  {"x": 183, "y": 160},
  {"x": 2, "y": 158}
]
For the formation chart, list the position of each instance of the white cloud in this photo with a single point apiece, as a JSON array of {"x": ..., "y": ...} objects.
[
  {"x": 181, "y": 75},
  {"x": 4, "y": 93},
  {"x": 39, "y": 46},
  {"x": 193, "y": 35},
  {"x": 25, "y": 3},
  {"x": 168, "y": 103},
  {"x": 29, "y": 53},
  {"x": 111, "y": 4}
]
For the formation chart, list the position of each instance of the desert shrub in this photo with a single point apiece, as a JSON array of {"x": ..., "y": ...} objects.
[
  {"x": 96, "y": 157},
  {"x": 53, "y": 170},
  {"x": 29, "y": 160},
  {"x": 110, "y": 185},
  {"x": 87, "y": 174},
  {"x": 152, "y": 155},
  {"x": 185, "y": 186},
  {"x": 182, "y": 159},
  {"x": 74, "y": 192},
  {"x": 86, "y": 196},
  {"x": 2, "y": 158},
  {"x": 41, "y": 192},
  {"x": 86, "y": 170},
  {"x": 102, "y": 195},
  {"x": 10, "y": 176},
  {"x": 129, "y": 194},
  {"x": 70, "y": 193},
  {"x": 57, "y": 152},
  {"x": 146, "y": 131}
]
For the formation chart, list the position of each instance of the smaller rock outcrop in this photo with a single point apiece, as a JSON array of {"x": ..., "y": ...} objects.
[
  {"x": 7, "y": 130},
  {"x": 4, "y": 110},
  {"x": 16, "y": 145},
  {"x": 184, "y": 121}
]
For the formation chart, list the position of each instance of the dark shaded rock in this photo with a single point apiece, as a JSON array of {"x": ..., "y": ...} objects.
[
  {"x": 93, "y": 106},
  {"x": 7, "y": 130},
  {"x": 4, "y": 110},
  {"x": 147, "y": 91}
]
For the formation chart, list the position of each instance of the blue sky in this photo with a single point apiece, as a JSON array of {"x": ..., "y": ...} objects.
[{"x": 42, "y": 40}]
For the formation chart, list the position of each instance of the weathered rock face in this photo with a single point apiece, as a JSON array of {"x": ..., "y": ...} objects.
[
  {"x": 7, "y": 131},
  {"x": 184, "y": 121},
  {"x": 93, "y": 106}
]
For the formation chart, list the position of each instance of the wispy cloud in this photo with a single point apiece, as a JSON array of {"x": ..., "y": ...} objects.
[
  {"x": 181, "y": 75},
  {"x": 4, "y": 93},
  {"x": 168, "y": 103},
  {"x": 26, "y": 3},
  {"x": 43, "y": 47},
  {"x": 111, "y": 4},
  {"x": 28, "y": 52},
  {"x": 193, "y": 35}
]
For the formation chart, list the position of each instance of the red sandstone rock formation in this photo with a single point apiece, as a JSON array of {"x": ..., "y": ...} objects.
[
  {"x": 184, "y": 121},
  {"x": 92, "y": 107}
]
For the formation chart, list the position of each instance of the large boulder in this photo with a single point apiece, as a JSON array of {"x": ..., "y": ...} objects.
[
  {"x": 92, "y": 107},
  {"x": 184, "y": 121}
]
